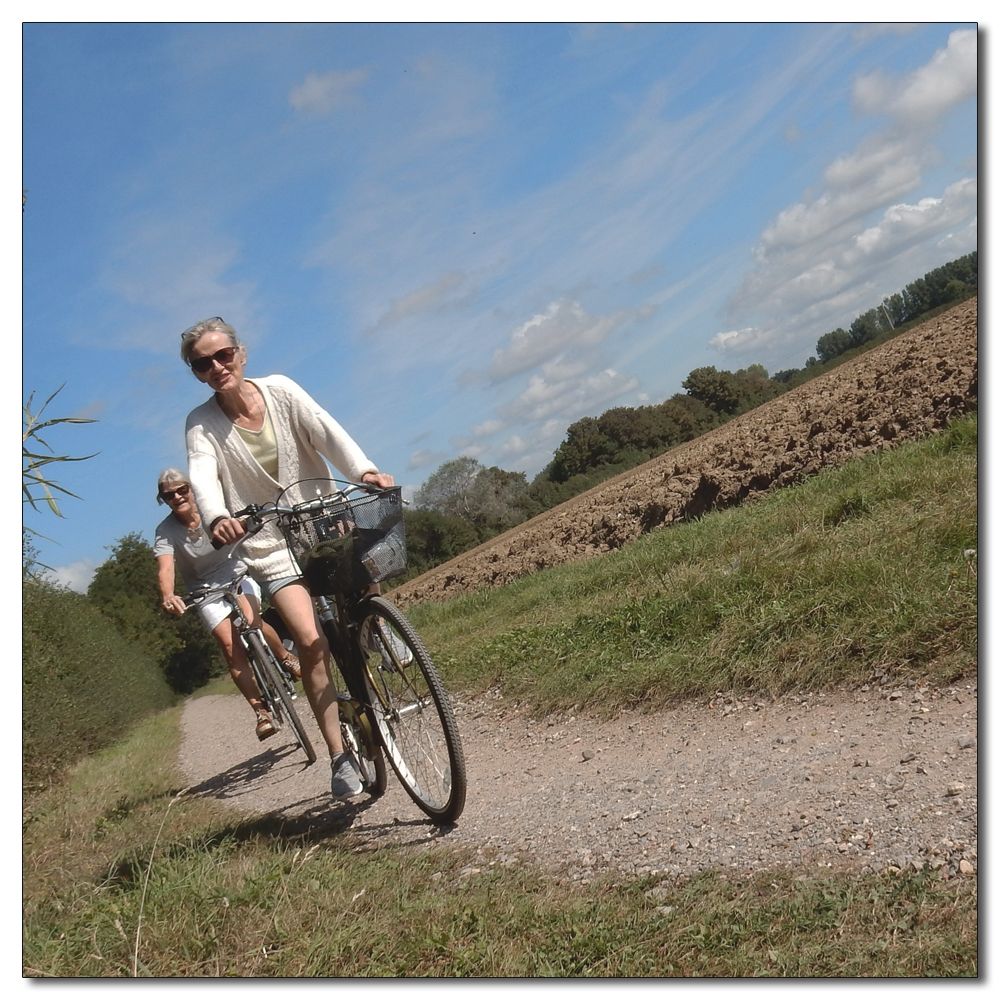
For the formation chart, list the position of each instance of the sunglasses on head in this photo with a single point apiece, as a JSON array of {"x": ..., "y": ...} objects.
[
  {"x": 224, "y": 357},
  {"x": 181, "y": 491}
]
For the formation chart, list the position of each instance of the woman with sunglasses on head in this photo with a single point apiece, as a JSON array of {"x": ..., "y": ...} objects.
[
  {"x": 251, "y": 437},
  {"x": 181, "y": 540}
]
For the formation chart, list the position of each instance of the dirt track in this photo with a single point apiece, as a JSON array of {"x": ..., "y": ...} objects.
[
  {"x": 913, "y": 384},
  {"x": 846, "y": 779}
]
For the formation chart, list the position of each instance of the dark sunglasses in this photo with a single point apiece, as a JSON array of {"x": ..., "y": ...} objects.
[
  {"x": 181, "y": 491},
  {"x": 224, "y": 357}
]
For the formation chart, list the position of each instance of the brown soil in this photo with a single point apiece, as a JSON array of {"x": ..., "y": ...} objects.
[
  {"x": 856, "y": 780},
  {"x": 912, "y": 385}
]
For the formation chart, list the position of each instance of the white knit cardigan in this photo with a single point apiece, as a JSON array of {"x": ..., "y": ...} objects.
[{"x": 225, "y": 477}]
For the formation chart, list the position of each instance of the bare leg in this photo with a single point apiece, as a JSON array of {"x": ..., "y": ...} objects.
[
  {"x": 236, "y": 658},
  {"x": 251, "y": 608},
  {"x": 295, "y": 605}
]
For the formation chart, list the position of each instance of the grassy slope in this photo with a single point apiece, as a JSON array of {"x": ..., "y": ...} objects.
[{"x": 857, "y": 571}]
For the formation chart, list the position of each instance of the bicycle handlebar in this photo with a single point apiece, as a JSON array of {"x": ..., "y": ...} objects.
[{"x": 254, "y": 516}]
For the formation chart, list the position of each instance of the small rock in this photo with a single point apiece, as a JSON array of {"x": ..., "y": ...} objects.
[
  {"x": 966, "y": 742},
  {"x": 587, "y": 755},
  {"x": 966, "y": 868},
  {"x": 955, "y": 789}
]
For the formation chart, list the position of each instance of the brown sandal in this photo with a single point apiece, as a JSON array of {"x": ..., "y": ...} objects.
[
  {"x": 291, "y": 664},
  {"x": 265, "y": 727}
]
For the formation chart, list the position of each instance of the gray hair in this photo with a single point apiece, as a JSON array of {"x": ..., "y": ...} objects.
[
  {"x": 191, "y": 336},
  {"x": 170, "y": 475}
]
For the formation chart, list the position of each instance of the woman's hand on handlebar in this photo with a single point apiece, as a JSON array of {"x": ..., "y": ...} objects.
[
  {"x": 227, "y": 531},
  {"x": 174, "y": 604},
  {"x": 380, "y": 479}
]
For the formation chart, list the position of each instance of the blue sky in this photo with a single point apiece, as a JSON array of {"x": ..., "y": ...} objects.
[{"x": 461, "y": 238}]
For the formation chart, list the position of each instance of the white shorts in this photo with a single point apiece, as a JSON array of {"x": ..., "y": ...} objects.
[{"x": 218, "y": 610}]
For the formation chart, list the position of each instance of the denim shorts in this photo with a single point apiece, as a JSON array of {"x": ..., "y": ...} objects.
[{"x": 271, "y": 587}]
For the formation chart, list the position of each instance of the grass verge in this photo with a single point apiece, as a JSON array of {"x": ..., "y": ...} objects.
[{"x": 860, "y": 572}]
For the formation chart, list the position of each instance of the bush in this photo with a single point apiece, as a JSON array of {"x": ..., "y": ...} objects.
[{"x": 82, "y": 684}]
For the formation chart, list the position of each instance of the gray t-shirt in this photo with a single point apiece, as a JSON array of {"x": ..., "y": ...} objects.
[{"x": 197, "y": 561}]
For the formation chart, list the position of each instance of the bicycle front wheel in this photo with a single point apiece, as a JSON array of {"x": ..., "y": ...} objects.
[
  {"x": 413, "y": 712},
  {"x": 273, "y": 688}
]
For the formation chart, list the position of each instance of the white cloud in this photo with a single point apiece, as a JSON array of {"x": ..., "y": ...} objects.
[
  {"x": 487, "y": 428},
  {"x": 563, "y": 327},
  {"x": 830, "y": 256},
  {"x": 321, "y": 93},
  {"x": 76, "y": 576},
  {"x": 925, "y": 95},
  {"x": 735, "y": 339},
  {"x": 570, "y": 398},
  {"x": 903, "y": 225},
  {"x": 424, "y": 457},
  {"x": 427, "y": 298}
]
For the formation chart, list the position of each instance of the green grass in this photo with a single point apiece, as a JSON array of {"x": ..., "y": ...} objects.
[{"x": 858, "y": 573}]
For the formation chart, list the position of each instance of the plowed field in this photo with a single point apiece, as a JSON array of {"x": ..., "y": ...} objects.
[{"x": 914, "y": 384}]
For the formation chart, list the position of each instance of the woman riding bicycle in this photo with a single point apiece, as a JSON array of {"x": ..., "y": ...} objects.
[
  {"x": 248, "y": 439},
  {"x": 181, "y": 538}
]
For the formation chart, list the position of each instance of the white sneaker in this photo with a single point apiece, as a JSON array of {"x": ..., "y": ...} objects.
[{"x": 345, "y": 781}]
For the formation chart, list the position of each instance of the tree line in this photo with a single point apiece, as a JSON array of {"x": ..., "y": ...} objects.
[{"x": 464, "y": 503}]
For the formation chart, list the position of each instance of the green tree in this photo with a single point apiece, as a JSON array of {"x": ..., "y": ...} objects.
[
  {"x": 486, "y": 498},
  {"x": 719, "y": 391},
  {"x": 586, "y": 447},
  {"x": 433, "y": 538},
  {"x": 126, "y": 589},
  {"x": 831, "y": 345}
]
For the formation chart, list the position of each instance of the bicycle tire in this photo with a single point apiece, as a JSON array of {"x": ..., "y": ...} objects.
[
  {"x": 413, "y": 714},
  {"x": 277, "y": 693},
  {"x": 357, "y": 729}
]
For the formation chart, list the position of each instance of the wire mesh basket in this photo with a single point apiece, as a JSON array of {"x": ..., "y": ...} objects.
[{"x": 349, "y": 544}]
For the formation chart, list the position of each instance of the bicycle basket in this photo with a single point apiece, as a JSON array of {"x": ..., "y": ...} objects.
[{"x": 348, "y": 545}]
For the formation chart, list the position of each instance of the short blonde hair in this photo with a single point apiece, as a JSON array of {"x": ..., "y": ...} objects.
[
  {"x": 191, "y": 336},
  {"x": 170, "y": 475}
]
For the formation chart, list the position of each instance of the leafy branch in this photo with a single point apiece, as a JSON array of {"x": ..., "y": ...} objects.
[{"x": 35, "y": 483}]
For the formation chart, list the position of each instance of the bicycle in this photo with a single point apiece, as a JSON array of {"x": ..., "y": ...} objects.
[
  {"x": 344, "y": 543},
  {"x": 275, "y": 684}
]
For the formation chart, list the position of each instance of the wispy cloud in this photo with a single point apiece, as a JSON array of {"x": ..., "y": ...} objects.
[
  {"x": 174, "y": 271},
  {"x": 323, "y": 93}
]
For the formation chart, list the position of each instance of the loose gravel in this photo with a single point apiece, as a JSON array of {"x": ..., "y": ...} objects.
[{"x": 860, "y": 781}]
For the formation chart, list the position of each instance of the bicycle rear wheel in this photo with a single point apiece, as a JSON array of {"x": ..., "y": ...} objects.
[
  {"x": 412, "y": 712},
  {"x": 273, "y": 688}
]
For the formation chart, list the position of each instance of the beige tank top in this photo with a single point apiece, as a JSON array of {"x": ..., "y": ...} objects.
[{"x": 262, "y": 445}]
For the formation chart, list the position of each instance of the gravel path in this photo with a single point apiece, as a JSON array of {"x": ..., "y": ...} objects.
[{"x": 849, "y": 780}]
